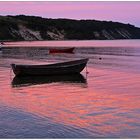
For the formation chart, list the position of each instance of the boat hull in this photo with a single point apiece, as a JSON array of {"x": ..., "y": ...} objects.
[
  {"x": 67, "y": 50},
  {"x": 70, "y": 67}
]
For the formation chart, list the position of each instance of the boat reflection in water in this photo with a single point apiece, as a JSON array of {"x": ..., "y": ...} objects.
[{"x": 37, "y": 80}]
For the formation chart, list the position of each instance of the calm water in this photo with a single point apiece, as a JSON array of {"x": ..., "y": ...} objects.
[
  {"x": 77, "y": 43},
  {"x": 105, "y": 103}
]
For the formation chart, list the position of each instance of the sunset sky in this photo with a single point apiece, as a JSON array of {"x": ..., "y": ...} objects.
[{"x": 126, "y": 12}]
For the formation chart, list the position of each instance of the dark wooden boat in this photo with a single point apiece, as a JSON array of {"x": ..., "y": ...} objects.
[
  {"x": 21, "y": 81},
  {"x": 58, "y": 50},
  {"x": 70, "y": 67}
]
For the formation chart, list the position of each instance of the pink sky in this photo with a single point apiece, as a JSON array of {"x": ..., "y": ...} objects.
[{"x": 126, "y": 12}]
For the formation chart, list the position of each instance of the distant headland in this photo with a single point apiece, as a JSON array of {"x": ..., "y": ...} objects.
[{"x": 21, "y": 27}]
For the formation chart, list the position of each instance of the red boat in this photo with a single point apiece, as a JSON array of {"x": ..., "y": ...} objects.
[{"x": 58, "y": 50}]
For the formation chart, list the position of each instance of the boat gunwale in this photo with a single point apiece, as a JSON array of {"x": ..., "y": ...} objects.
[{"x": 55, "y": 65}]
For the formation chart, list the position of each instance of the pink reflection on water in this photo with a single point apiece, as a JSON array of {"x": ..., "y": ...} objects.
[
  {"x": 76, "y": 43},
  {"x": 107, "y": 104}
]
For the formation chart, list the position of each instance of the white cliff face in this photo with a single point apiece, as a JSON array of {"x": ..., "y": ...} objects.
[
  {"x": 124, "y": 33},
  {"x": 107, "y": 34},
  {"x": 29, "y": 34},
  {"x": 14, "y": 32},
  {"x": 55, "y": 34},
  {"x": 112, "y": 34}
]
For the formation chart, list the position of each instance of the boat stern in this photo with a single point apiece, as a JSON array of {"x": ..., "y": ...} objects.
[{"x": 16, "y": 70}]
